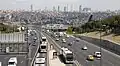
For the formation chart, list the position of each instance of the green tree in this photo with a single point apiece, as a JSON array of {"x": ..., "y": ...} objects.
[{"x": 69, "y": 30}]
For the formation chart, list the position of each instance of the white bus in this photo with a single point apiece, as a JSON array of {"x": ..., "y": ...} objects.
[{"x": 67, "y": 55}]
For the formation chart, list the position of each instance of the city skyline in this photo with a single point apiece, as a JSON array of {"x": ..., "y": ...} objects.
[{"x": 100, "y": 5}]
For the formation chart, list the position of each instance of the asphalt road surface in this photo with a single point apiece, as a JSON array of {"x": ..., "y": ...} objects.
[
  {"x": 58, "y": 49},
  {"x": 39, "y": 36},
  {"x": 108, "y": 58},
  {"x": 22, "y": 59}
]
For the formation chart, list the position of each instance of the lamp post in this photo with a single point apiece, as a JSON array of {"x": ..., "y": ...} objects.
[{"x": 101, "y": 29}]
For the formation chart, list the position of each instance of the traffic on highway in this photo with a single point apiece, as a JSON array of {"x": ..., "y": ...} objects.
[{"x": 59, "y": 33}]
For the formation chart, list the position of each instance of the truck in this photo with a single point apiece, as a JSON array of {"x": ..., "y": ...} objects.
[{"x": 67, "y": 55}]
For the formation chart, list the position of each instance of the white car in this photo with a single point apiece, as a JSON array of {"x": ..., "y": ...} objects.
[
  {"x": 40, "y": 61},
  {"x": 67, "y": 36},
  {"x": 63, "y": 40},
  {"x": 57, "y": 39},
  {"x": 85, "y": 48},
  {"x": 97, "y": 54},
  {"x": 12, "y": 61}
]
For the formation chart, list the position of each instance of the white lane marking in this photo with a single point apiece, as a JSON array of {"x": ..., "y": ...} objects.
[
  {"x": 25, "y": 57},
  {"x": 77, "y": 63},
  {"x": 109, "y": 62},
  {"x": 102, "y": 48},
  {"x": 21, "y": 61},
  {"x": 52, "y": 40},
  {"x": 6, "y": 57}
]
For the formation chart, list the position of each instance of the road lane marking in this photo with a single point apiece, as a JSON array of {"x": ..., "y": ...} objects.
[
  {"x": 21, "y": 61},
  {"x": 25, "y": 57},
  {"x": 109, "y": 62},
  {"x": 6, "y": 57},
  {"x": 53, "y": 40},
  {"x": 77, "y": 63},
  {"x": 101, "y": 48}
]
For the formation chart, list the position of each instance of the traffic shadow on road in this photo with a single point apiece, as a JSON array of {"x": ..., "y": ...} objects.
[{"x": 62, "y": 59}]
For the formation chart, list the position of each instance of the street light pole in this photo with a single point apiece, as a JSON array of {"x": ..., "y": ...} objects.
[{"x": 100, "y": 50}]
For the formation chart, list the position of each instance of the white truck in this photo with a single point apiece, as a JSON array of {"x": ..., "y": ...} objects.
[
  {"x": 67, "y": 54},
  {"x": 12, "y": 61}
]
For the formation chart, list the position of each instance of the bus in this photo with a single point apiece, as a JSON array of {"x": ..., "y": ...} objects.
[{"x": 67, "y": 55}]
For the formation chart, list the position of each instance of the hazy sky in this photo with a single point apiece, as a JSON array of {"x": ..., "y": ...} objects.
[{"x": 41, "y": 4}]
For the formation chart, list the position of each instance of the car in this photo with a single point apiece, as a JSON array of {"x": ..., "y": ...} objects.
[
  {"x": 12, "y": 61},
  {"x": 63, "y": 40},
  {"x": 35, "y": 38},
  {"x": 40, "y": 61},
  {"x": 97, "y": 54},
  {"x": 84, "y": 48},
  {"x": 67, "y": 36},
  {"x": 70, "y": 44},
  {"x": 77, "y": 40},
  {"x": 90, "y": 57},
  {"x": 57, "y": 39}
]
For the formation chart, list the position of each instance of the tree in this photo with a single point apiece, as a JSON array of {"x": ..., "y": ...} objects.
[{"x": 69, "y": 30}]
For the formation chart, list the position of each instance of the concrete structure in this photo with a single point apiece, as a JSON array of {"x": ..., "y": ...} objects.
[
  {"x": 53, "y": 27},
  {"x": 54, "y": 61}
]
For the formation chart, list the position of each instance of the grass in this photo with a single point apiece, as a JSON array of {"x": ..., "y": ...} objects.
[{"x": 110, "y": 37}]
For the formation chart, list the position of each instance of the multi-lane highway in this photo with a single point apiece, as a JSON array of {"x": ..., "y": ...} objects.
[
  {"x": 58, "y": 48},
  {"x": 108, "y": 58},
  {"x": 45, "y": 55},
  {"x": 16, "y": 47}
]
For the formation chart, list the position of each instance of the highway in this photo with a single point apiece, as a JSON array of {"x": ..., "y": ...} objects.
[
  {"x": 108, "y": 58},
  {"x": 18, "y": 47},
  {"x": 57, "y": 48},
  {"x": 51, "y": 42},
  {"x": 45, "y": 55}
]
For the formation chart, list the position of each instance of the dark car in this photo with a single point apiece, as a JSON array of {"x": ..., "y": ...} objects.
[{"x": 70, "y": 44}]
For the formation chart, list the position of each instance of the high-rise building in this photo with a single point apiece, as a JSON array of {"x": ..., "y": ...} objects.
[
  {"x": 54, "y": 8},
  {"x": 64, "y": 8},
  {"x": 86, "y": 9},
  {"x": 58, "y": 8},
  {"x": 71, "y": 8},
  {"x": 80, "y": 8},
  {"x": 31, "y": 7},
  {"x": 67, "y": 8}
]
